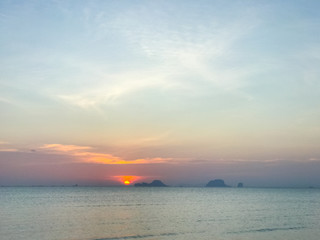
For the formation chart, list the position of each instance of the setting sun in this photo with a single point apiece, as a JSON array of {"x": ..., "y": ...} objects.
[{"x": 127, "y": 180}]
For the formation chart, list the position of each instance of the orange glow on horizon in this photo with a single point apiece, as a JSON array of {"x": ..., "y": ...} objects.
[{"x": 127, "y": 180}]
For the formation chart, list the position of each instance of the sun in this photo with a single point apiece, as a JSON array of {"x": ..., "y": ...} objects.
[{"x": 126, "y": 182}]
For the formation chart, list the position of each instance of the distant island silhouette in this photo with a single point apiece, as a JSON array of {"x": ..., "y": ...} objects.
[
  {"x": 154, "y": 183},
  {"x": 240, "y": 185},
  {"x": 216, "y": 183}
]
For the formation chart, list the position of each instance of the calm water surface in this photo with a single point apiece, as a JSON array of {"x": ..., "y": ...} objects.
[{"x": 158, "y": 213}]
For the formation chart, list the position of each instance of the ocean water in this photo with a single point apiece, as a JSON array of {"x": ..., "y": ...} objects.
[{"x": 76, "y": 213}]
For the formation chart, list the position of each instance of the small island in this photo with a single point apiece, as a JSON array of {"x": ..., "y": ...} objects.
[
  {"x": 216, "y": 183},
  {"x": 240, "y": 185},
  {"x": 154, "y": 183}
]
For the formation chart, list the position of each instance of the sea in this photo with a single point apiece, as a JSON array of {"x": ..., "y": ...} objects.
[{"x": 148, "y": 213}]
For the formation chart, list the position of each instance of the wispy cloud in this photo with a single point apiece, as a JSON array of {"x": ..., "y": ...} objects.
[
  {"x": 195, "y": 50},
  {"x": 86, "y": 154},
  {"x": 8, "y": 150},
  {"x": 182, "y": 57},
  {"x": 8, "y": 101},
  {"x": 6, "y": 147},
  {"x": 169, "y": 55},
  {"x": 111, "y": 87},
  {"x": 64, "y": 148},
  {"x": 147, "y": 141}
]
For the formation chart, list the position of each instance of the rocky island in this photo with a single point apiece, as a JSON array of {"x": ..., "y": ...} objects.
[
  {"x": 216, "y": 183},
  {"x": 240, "y": 185},
  {"x": 154, "y": 183}
]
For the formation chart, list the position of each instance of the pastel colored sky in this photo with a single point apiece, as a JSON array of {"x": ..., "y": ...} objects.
[{"x": 182, "y": 91}]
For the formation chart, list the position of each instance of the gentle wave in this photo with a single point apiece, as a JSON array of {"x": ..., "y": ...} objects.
[
  {"x": 277, "y": 229},
  {"x": 137, "y": 236},
  {"x": 268, "y": 230}
]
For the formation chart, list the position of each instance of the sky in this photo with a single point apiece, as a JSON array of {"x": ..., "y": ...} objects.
[{"x": 99, "y": 92}]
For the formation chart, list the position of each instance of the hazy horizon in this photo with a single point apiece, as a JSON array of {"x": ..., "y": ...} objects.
[{"x": 103, "y": 92}]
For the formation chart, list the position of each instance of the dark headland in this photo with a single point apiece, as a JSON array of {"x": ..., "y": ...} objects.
[{"x": 154, "y": 183}]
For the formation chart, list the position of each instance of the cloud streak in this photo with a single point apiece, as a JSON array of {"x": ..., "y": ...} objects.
[
  {"x": 5, "y": 147},
  {"x": 87, "y": 155}
]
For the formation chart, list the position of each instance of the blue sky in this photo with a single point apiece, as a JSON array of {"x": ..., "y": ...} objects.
[{"x": 138, "y": 84}]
